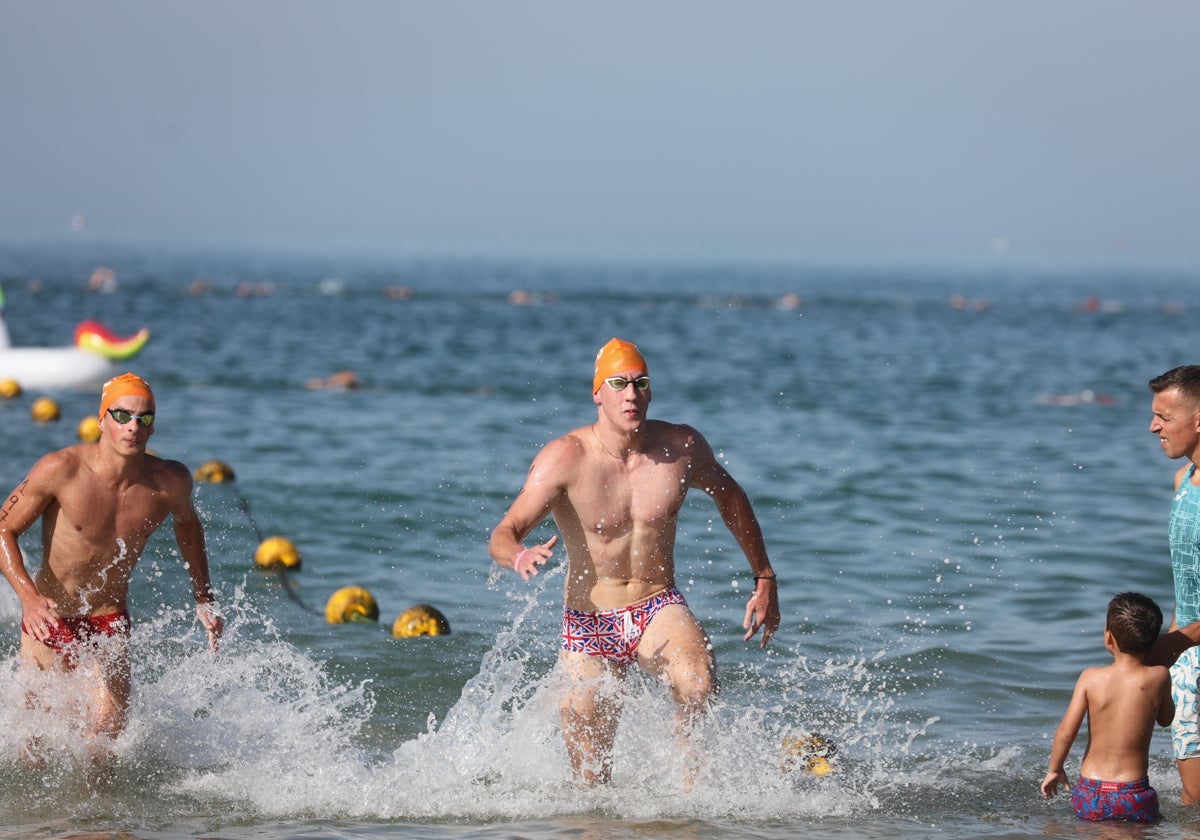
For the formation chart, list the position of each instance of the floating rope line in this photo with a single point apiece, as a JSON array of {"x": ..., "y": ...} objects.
[
  {"x": 274, "y": 553},
  {"x": 350, "y": 604}
]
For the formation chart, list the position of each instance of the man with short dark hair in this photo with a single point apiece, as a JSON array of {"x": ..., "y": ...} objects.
[{"x": 1176, "y": 422}]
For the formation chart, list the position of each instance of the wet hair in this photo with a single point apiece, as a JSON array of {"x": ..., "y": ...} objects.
[
  {"x": 1135, "y": 621},
  {"x": 1185, "y": 377}
]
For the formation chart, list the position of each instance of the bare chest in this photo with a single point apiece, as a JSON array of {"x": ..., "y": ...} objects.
[
  {"x": 100, "y": 515},
  {"x": 615, "y": 496}
]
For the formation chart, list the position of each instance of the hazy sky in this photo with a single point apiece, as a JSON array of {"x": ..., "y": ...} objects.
[{"x": 760, "y": 129}]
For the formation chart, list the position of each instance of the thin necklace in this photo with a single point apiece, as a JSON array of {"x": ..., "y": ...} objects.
[{"x": 596, "y": 435}]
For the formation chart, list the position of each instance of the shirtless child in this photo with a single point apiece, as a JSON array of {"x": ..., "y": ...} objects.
[
  {"x": 1122, "y": 702},
  {"x": 99, "y": 503}
]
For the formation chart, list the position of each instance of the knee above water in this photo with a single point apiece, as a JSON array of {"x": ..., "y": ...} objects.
[{"x": 695, "y": 687}]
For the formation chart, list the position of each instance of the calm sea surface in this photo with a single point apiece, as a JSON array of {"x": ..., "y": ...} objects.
[{"x": 951, "y": 491}]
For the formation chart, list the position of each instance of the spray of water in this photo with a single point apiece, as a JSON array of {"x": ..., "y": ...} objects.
[{"x": 261, "y": 731}]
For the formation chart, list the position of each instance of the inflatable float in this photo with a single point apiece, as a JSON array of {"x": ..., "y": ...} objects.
[{"x": 87, "y": 364}]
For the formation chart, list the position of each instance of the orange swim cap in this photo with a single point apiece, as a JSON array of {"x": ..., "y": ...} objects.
[
  {"x": 125, "y": 385},
  {"x": 615, "y": 357}
]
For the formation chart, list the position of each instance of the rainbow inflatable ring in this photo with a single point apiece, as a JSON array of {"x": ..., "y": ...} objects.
[
  {"x": 82, "y": 366},
  {"x": 94, "y": 336}
]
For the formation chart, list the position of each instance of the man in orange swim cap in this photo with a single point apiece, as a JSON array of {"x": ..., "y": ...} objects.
[
  {"x": 615, "y": 489},
  {"x": 101, "y": 502}
]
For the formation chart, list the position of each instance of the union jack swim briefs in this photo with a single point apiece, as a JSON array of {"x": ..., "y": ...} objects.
[{"x": 614, "y": 634}]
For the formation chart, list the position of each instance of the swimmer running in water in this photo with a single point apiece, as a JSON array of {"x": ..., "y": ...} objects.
[
  {"x": 615, "y": 489},
  {"x": 99, "y": 503}
]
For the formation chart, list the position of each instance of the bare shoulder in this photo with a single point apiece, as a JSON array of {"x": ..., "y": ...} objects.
[
  {"x": 558, "y": 458},
  {"x": 172, "y": 470},
  {"x": 170, "y": 476},
  {"x": 679, "y": 436},
  {"x": 568, "y": 448},
  {"x": 56, "y": 468},
  {"x": 1094, "y": 676},
  {"x": 177, "y": 469}
]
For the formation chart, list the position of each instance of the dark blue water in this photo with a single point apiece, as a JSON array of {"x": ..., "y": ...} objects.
[{"x": 950, "y": 489}]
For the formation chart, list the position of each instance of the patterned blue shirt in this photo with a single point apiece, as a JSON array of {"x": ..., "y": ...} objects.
[{"x": 1184, "y": 530}]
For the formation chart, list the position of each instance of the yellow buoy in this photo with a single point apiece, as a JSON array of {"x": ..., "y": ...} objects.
[
  {"x": 818, "y": 765},
  {"x": 809, "y": 752},
  {"x": 277, "y": 553},
  {"x": 351, "y": 603},
  {"x": 88, "y": 429},
  {"x": 213, "y": 472},
  {"x": 45, "y": 410},
  {"x": 9, "y": 388},
  {"x": 421, "y": 620}
]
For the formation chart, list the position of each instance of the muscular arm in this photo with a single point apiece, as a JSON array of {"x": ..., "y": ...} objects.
[
  {"x": 544, "y": 485},
  {"x": 189, "y": 535},
  {"x": 733, "y": 504},
  {"x": 20, "y": 510}
]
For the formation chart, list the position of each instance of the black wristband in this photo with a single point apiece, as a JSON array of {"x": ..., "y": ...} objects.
[{"x": 763, "y": 577}]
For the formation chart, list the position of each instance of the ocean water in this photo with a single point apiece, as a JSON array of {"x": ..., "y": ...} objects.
[{"x": 951, "y": 465}]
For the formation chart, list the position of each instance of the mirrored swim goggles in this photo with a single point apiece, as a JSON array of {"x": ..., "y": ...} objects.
[
  {"x": 122, "y": 417},
  {"x": 619, "y": 383}
]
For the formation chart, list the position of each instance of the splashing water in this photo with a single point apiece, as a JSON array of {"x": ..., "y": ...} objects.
[
  {"x": 944, "y": 551},
  {"x": 262, "y": 731}
]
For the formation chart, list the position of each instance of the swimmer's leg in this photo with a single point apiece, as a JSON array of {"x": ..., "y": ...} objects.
[
  {"x": 34, "y": 654},
  {"x": 109, "y": 675},
  {"x": 675, "y": 648},
  {"x": 589, "y": 715}
]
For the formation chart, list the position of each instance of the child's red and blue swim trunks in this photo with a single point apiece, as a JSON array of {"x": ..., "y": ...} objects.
[{"x": 1093, "y": 799}]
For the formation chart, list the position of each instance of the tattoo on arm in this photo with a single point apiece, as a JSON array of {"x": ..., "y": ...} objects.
[{"x": 12, "y": 500}]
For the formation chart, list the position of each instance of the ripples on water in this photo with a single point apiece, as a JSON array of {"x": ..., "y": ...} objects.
[{"x": 947, "y": 528}]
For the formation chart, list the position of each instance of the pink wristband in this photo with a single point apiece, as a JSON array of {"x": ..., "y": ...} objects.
[{"x": 527, "y": 555}]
